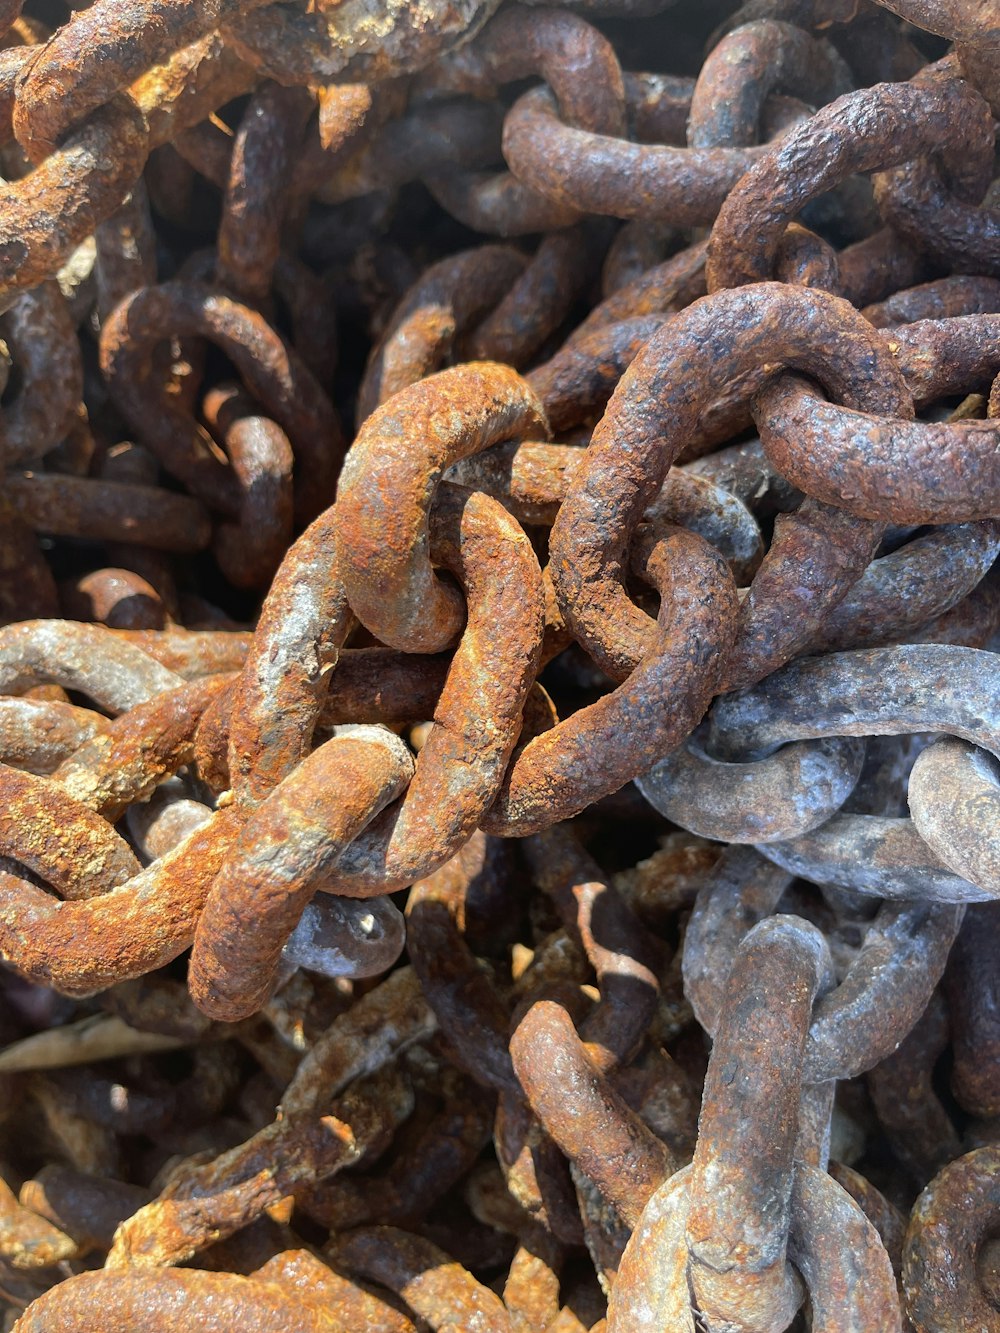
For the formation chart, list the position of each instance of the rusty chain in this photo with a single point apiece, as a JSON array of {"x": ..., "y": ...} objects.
[{"x": 499, "y": 705}]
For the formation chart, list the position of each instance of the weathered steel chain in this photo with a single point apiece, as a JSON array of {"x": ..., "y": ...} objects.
[{"x": 549, "y": 530}]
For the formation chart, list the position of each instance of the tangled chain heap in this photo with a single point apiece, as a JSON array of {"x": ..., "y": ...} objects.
[{"x": 632, "y": 667}]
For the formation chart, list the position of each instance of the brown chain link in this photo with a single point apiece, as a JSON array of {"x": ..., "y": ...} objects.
[{"x": 499, "y": 705}]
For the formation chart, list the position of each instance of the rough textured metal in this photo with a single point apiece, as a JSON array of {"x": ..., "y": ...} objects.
[{"x": 668, "y": 753}]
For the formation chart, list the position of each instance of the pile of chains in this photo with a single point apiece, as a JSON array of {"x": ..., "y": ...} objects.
[{"x": 499, "y": 707}]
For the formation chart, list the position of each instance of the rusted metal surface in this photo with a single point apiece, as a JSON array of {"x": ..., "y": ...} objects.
[
  {"x": 948, "y": 1224},
  {"x": 658, "y": 402},
  {"x": 294, "y": 838},
  {"x": 525, "y": 858}
]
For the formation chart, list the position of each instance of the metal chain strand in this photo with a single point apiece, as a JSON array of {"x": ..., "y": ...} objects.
[{"x": 526, "y": 859}]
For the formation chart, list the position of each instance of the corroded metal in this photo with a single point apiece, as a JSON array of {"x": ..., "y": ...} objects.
[{"x": 628, "y": 658}]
